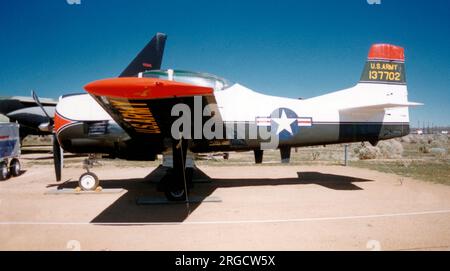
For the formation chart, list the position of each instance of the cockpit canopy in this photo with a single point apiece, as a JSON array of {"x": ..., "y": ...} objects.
[{"x": 194, "y": 78}]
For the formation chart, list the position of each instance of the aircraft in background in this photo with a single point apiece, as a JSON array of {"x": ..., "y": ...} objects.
[
  {"x": 26, "y": 112},
  {"x": 133, "y": 117}
]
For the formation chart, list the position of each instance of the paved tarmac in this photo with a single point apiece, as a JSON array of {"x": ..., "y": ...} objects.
[{"x": 261, "y": 208}]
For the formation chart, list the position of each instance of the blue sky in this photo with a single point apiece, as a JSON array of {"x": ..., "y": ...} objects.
[{"x": 285, "y": 48}]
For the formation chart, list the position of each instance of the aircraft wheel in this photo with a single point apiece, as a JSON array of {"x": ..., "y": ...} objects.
[
  {"x": 176, "y": 195},
  {"x": 4, "y": 173},
  {"x": 15, "y": 167},
  {"x": 88, "y": 181}
]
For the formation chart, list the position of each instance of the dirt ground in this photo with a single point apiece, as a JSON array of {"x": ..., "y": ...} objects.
[{"x": 263, "y": 208}]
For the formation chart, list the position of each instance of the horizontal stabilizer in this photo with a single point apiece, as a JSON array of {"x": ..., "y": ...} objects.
[{"x": 381, "y": 106}]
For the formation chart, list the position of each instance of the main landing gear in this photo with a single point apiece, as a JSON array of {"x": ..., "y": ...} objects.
[{"x": 178, "y": 179}]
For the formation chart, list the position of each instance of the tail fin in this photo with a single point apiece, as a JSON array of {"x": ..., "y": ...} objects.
[
  {"x": 149, "y": 58},
  {"x": 385, "y": 65},
  {"x": 383, "y": 82}
]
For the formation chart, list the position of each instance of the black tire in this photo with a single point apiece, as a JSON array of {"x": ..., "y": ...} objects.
[
  {"x": 88, "y": 181},
  {"x": 4, "y": 173},
  {"x": 15, "y": 167},
  {"x": 176, "y": 195}
]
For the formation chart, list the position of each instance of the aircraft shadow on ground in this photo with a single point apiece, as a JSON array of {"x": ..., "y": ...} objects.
[
  {"x": 34, "y": 151},
  {"x": 126, "y": 210},
  {"x": 50, "y": 156}
]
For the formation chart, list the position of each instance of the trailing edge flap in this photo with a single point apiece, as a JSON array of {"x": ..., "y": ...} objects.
[{"x": 380, "y": 106}]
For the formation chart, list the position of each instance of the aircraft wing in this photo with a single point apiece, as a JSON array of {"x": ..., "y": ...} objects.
[
  {"x": 143, "y": 106},
  {"x": 27, "y": 113},
  {"x": 379, "y": 106},
  {"x": 12, "y": 103}
]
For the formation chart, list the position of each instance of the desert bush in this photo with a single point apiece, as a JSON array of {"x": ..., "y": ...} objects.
[
  {"x": 385, "y": 149},
  {"x": 366, "y": 152},
  {"x": 406, "y": 139},
  {"x": 424, "y": 148},
  {"x": 428, "y": 139},
  {"x": 413, "y": 139},
  {"x": 390, "y": 149},
  {"x": 37, "y": 140},
  {"x": 315, "y": 155},
  {"x": 438, "y": 152},
  {"x": 439, "y": 141}
]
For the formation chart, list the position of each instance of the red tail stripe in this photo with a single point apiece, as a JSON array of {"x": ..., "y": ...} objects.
[{"x": 387, "y": 52}]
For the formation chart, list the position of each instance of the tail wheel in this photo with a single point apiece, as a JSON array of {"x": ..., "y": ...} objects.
[
  {"x": 4, "y": 173},
  {"x": 88, "y": 181},
  {"x": 15, "y": 167}
]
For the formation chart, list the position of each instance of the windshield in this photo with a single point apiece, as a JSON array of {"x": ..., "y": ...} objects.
[{"x": 194, "y": 78}]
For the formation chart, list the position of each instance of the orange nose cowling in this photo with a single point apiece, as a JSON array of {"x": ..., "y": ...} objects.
[{"x": 60, "y": 122}]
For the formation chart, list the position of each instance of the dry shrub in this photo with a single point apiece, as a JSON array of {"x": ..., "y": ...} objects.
[
  {"x": 385, "y": 149},
  {"x": 439, "y": 152},
  {"x": 366, "y": 152},
  {"x": 424, "y": 148},
  {"x": 406, "y": 139},
  {"x": 426, "y": 139},
  {"x": 390, "y": 149},
  {"x": 315, "y": 155},
  {"x": 439, "y": 141},
  {"x": 413, "y": 139}
]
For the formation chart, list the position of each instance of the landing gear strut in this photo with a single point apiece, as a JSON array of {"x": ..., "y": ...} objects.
[{"x": 177, "y": 180}]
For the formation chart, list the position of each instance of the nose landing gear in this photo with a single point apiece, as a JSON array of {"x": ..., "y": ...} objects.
[{"x": 89, "y": 181}]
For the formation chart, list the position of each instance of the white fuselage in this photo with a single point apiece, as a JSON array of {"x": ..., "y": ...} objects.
[{"x": 241, "y": 104}]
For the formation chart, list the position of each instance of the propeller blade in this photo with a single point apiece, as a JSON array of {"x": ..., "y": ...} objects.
[
  {"x": 58, "y": 157},
  {"x": 36, "y": 99}
]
